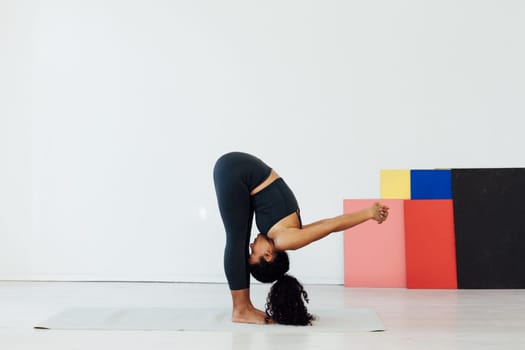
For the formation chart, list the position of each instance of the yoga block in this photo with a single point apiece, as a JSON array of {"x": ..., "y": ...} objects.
[
  {"x": 429, "y": 243},
  {"x": 489, "y": 211},
  {"x": 431, "y": 184},
  {"x": 374, "y": 254},
  {"x": 395, "y": 184}
]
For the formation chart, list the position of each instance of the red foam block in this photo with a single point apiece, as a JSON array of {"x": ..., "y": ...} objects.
[
  {"x": 374, "y": 254},
  {"x": 430, "y": 244}
]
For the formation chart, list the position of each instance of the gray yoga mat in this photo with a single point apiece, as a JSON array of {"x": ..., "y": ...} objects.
[{"x": 202, "y": 319}]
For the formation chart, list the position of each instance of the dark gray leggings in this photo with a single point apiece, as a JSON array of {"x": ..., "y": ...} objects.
[{"x": 235, "y": 175}]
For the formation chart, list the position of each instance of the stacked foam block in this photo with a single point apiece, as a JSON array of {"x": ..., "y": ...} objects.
[{"x": 459, "y": 228}]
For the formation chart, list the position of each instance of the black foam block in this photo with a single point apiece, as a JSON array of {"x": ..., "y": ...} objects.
[{"x": 489, "y": 220}]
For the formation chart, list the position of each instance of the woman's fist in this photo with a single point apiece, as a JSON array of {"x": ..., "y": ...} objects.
[{"x": 379, "y": 212}]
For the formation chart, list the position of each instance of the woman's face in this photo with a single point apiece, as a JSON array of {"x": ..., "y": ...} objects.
[{"x": 261, "y": 247}]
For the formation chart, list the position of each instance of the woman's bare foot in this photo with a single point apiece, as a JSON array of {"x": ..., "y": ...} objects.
[
  {"x": 243, "y": 309},
  {"x": 249, "y": 315}
]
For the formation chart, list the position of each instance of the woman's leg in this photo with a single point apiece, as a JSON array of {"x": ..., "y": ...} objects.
[{"x": 237, "y": 215}]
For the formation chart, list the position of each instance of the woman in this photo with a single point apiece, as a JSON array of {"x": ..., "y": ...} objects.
[{"x": 246, "y": 185}]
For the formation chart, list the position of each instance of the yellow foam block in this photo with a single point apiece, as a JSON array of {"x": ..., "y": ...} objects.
[{"x": 395, "y": 184}]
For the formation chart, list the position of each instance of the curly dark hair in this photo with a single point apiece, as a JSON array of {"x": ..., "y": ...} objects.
[
  {"x": 285, "y": 302},
  {"x": 267, "y": 272}
]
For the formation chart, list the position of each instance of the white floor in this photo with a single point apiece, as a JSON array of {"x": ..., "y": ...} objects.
[{"x": 415, "y": 319}]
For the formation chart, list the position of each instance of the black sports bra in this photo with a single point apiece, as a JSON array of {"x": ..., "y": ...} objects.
[{"x": 273, "y": 203}]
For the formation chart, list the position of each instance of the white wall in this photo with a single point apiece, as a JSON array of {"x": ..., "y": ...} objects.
[{"x": 113, "y": 113}]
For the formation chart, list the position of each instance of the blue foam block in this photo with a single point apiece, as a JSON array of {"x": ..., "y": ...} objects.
[{"x": 431, "y": 184}]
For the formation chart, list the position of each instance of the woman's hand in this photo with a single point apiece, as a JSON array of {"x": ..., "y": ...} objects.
[{"x": 379, "y": 212}]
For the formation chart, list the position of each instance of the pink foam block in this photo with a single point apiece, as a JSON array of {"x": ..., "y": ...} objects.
[{"x": 374, "y": 253}]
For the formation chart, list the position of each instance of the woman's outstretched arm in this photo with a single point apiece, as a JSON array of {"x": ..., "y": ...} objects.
[{"x": 295, "y": 238}]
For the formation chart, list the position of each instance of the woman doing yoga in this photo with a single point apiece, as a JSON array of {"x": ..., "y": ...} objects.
[{"x": 245, "y": 186}]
